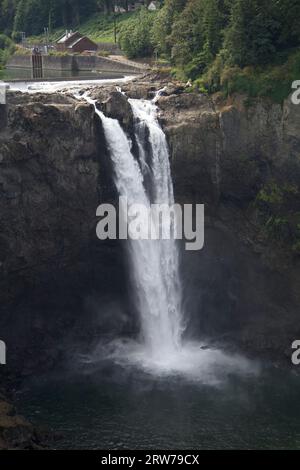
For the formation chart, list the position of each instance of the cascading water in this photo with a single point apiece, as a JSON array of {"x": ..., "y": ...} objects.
[
  {"x": 155, "y": 263},
  {"x": 166, "y": 313}
]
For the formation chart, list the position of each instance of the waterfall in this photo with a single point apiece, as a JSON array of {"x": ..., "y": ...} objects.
[
  {"x": 154, "y": 264},
  {"x": 165, "y": 317},
  {"x": 156, "y": 288}
]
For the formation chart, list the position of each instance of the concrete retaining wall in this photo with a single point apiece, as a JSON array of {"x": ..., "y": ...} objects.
[
  {"x": 60, "y": 63},
  {"x": 76, "y": 62},
  {"x": 20, "y": 61}
]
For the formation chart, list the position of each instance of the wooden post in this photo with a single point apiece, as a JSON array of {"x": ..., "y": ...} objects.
[{"x": 115, "y": 26}]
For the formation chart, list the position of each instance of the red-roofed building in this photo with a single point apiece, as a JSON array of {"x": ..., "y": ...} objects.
[{"x": 74, "y": 42}]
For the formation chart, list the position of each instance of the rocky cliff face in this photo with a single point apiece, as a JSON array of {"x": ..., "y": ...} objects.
[
  {"x": 224, "y": 153},
  {"x": 54, "y": 174},
  {"x": 48, "y": 160},
  {"x": 57, "y": 278}
]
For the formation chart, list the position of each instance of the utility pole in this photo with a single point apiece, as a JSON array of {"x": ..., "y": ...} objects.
[
  {"x": 23, "y": 38},
  {"x": 50, "y": 20},
  {"x": 115, "y": 25},
  {"x": 46, "y": 32}
]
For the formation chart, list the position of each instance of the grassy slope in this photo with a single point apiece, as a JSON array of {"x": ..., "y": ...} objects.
[{"x": 99, "y": 28}]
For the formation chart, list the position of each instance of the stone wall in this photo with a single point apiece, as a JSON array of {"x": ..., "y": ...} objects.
[{"x": 77, "y": 62}]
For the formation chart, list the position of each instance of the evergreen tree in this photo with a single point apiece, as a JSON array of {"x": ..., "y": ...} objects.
[
  {"x": 288, "y": 16},
  {"x": 212, "y": 26},
  {"x": 7, "y": 13},
  {"x": 163, "y": 24},
  {"x": 252, "y": 33},
  {"x": 135, "y": 37}
]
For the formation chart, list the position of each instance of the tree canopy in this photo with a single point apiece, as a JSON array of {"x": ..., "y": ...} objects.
[{"x": 191, "y": 34}]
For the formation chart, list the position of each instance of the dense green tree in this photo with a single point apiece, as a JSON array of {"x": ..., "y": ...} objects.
[
  {"x": 213, "y": 23},
  {"x": 288, "y": 16},
  {"x": 135, "y": 38},
  {"x": 31, "y": 16},
  {"x": 7, "y": 14},
  {"x": 162, "y": 27},
  {"x": 6, "y": 49},
  {"x": 197, "y": 35},
  {"x": 187, "y": 37},
  {"x": 253, "y": 32}
]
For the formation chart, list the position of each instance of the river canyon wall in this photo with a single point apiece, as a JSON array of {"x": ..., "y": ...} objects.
[
  {"x": 60, "y": 285},
  {"x": 227, "y": 154}
]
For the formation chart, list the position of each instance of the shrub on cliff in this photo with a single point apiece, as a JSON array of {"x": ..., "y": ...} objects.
[{"x": 278, "y": 213}]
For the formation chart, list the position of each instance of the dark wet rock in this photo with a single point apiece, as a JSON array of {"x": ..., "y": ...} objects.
[
  {"x": 116, "y": 106},
  {"x": 148, "y": 89},
  {"x": 54, "y": 172},
  {"x": 137, "y": 90},
  {"x": 15, "y": 432}
]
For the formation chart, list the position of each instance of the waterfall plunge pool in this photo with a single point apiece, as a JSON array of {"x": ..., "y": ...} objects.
[{"x": 112, "y": 407}]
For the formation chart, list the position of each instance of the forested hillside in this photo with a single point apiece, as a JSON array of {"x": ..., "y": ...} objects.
[
  {"x": 32, "y": 16},
  {"x": 234, "y": 45}
]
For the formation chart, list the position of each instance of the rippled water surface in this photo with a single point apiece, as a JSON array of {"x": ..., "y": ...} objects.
[{"x": 119, "y": 408}]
